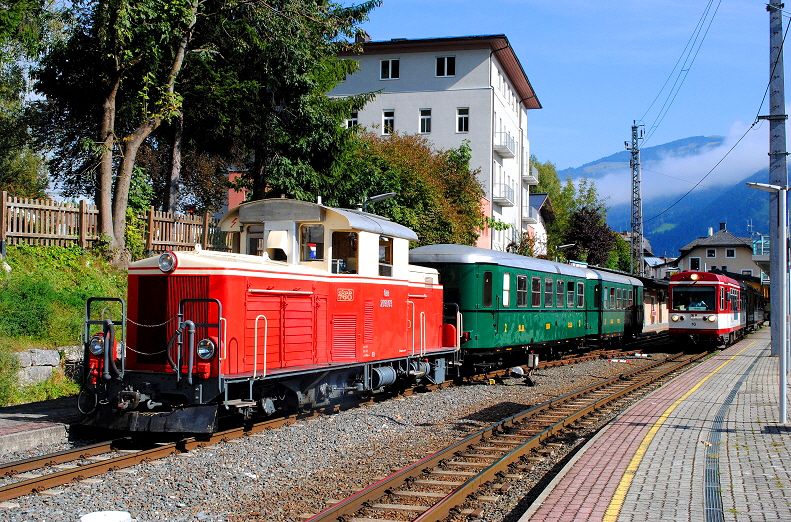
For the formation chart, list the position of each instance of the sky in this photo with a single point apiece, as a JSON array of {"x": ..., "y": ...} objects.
[{"x": 596, "y": 67}]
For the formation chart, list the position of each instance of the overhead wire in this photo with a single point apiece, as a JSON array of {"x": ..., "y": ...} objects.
[{"x": 755, "y": 122}]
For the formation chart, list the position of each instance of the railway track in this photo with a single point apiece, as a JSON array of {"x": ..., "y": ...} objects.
[
  {"x": 38, "y": 474},
  {"x": 440, "y": 485}
]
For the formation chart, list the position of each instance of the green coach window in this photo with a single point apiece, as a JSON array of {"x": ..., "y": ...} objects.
[
  {"x": 507, "y": 289},
  {"x": 570, "y": 294},
  {"x": 559, "y": 294},
  {"x": 521, "y": 291},
  {"x": 487, "y": 289},
  {"x": 580, "y": 295},
  {"x": 536, "y": 292},
  {"x": 549, "y": 292}
]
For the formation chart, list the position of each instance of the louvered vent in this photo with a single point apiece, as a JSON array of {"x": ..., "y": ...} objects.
[{"x": 344, "y": 337}]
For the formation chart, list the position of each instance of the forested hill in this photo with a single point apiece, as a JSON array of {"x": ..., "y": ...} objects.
[{"x": 668, "y": 224}]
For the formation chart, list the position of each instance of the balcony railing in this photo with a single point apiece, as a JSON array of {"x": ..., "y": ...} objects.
[
  {"x": 530, "y": 215},
  {"x": 503, "y": 194},
  {"x": 530, "y": 175},
  {"x": 504, "y": 144}
]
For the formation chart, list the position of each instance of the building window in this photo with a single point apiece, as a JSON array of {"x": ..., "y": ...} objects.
[
  {"x": 724, "y": 268},
  {"x": 536, "y": 292},
  {"x": 446, "y": 66},
  {"x": 521, "y": 291},
  {"x": 312, "y": 242},
  {"x": 352, "y": 121},
  {"x": 694, "y": 263},
  {"x": 390, "y": 70},
  {"x": 747, "y": 272},
  {"x": 711, "y": 252},
  {"x": 388, "y": 121},
  {"x": 425, "y": 121},
  {"x": 730, "y": 252},
  {"x": 463, "y": 118}
]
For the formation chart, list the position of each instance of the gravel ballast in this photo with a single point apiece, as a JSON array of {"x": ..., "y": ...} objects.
[{"x": 289, "y": 472}]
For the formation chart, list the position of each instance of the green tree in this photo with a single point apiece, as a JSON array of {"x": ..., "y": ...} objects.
[{"x": 438, "y": 197}]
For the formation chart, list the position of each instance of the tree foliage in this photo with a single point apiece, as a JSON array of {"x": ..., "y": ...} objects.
[
  {"x": 438, "y": 197},
  {"x": 236, "y": 79}
]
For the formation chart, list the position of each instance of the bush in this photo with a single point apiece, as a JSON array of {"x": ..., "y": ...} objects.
[{"x": 8, "y": 384}]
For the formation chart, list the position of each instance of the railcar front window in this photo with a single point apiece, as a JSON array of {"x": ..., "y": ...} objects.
[
  {"x": 693, "y": 298},
  {"x": 487, "y": 289}
]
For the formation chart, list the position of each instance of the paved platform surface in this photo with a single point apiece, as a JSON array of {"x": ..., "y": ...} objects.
[
  {"x": 706, "y": 447},
  {"x": 26, "y": 426}
]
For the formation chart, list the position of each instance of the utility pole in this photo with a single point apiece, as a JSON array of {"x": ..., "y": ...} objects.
[{"x": 637, "y": 264}]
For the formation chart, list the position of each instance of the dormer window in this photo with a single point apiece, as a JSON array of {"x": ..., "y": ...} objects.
[{"x": 312, "y": 242}]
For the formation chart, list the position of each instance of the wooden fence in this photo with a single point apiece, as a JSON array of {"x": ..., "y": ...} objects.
[{"x": 46, "y": 222}]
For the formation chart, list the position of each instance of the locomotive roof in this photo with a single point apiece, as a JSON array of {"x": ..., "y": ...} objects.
[
  {"x": 470, "y": 254},
  {"x": 257, "y": 212}
]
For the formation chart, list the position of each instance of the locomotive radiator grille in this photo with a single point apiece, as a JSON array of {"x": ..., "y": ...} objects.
[{"x": 344, "y": 337}]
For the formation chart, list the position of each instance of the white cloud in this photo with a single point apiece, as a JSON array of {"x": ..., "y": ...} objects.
[{"x": 676, "y": 175}]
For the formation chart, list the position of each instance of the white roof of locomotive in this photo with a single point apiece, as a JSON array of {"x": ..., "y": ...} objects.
[{"x": 261, "y": 211}]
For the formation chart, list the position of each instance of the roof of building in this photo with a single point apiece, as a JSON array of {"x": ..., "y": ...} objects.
[
  {"x": 497, "y": 43},
  {"x": 542, "y": 203},
  {"x": 721, "y": 238}
]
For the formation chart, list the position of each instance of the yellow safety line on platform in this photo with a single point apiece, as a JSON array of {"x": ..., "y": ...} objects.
[{"x": 618, "y": 498}]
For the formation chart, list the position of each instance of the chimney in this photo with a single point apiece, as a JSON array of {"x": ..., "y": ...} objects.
[
  {"x": 722, "y": 226},
  {"x": 711, "y": 231},
  {"x": 361, "y": 37}
]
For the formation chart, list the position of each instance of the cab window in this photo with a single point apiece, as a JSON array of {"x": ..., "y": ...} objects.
[
  {"x": 311, "y": 242},
  {"x": 385, "y": 256},
  {"x": 344, "y": 252}
]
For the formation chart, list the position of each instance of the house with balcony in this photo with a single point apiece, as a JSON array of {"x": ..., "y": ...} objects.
[{"x": 452, "y": 90}]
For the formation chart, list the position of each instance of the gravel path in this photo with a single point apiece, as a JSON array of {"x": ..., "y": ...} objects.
[{"x": 286, "y": 473}]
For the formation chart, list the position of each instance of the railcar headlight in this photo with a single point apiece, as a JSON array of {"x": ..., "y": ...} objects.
[
  {"x": 712, "y": 318},
  {"x": 168, "y": 262},
  {"x": 96, "y": 346},
  {"x": 675, "y": 318},
  {"x": 206, "y": 349}
]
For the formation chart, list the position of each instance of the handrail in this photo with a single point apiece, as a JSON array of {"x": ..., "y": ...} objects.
[
  {"x": 283, "y": 292},
  {"x": 412, "y": 325},
  {"x": 121, "y": 323},
  {"x": 255, "y": 352},
  {"x": 459, "y": 328},
  {"x": 422, "y": 334}
]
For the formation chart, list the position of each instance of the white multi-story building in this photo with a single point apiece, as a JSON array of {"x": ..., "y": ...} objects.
[{"x": 451, "y": 90}]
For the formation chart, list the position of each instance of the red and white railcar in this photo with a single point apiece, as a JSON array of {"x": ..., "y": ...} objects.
[
  {"x": 316, "y": 304},
  {"x": 706, "y": 307}
]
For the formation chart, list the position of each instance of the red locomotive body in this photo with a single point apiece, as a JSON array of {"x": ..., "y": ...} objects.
[
  {"x": 319, "y": 304},
  {"x": 706, "y": 306}
]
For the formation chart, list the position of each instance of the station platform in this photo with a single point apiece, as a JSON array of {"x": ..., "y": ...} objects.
[
  {"x": 708, "y": 446},
  {"x": 27, "y": 426}
]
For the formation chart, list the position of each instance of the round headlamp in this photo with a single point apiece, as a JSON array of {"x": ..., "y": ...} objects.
[
  {"x": 168, "y": 262},
  {"x": 712, "y": 318},
  {"x": 675, "y": 318},
  {"x": 96, "y": 346},
  {"x": 206, "y": 349}
]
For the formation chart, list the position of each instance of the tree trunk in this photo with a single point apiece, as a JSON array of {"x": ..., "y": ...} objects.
[
  {"x": 104, "y": 178},
  {"x": 175, "y": 165}
]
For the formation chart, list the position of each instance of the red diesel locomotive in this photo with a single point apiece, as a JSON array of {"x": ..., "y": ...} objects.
[
  {"x": 711, "y": 307},
  {"x": 314, "y": 305}
]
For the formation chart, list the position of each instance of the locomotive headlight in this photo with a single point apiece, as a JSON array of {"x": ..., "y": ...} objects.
[
  {"x": 96, "y": 346},
  {"x": 675, "y": 318},
  {"x": 168, "y": 262},
  {"x": 712, "y": 318},
  {"x": 206, "y": 349}
]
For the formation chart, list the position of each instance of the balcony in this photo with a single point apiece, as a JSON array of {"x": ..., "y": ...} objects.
[
  {"x": 530, "y": 215},
  {"x": 503, "y": 195},
  {"x": 530, "y": 175},
  {"x": 504, "y": 144}
]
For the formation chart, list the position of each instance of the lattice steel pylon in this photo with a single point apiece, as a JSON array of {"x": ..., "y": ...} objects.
[{"x": 636, "y": 238}]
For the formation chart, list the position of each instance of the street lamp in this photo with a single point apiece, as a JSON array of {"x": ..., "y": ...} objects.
[
  {"x": 379, "y": 197},
  {"x": 778, "y": 286}
]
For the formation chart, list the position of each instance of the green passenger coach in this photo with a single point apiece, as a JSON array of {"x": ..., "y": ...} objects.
[{"x": 506, "y": 303}]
